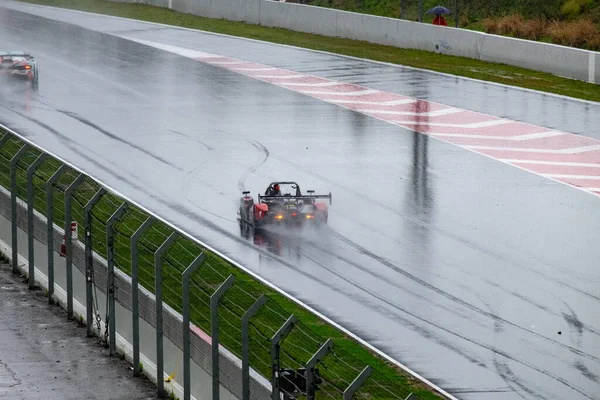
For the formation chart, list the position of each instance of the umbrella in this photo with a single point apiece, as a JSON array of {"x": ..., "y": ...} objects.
[{"x": 438, "y": 10}]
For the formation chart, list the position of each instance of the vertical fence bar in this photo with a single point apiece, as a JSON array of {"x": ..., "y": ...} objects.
[
  {"x": 193, "y": 267},
  {"x": 214, "y": 328},
  {"x": 420, "y": 10},
  {"x": 246, "y": 345},
  {"x": 50, "y": 228},
  {"x": 275, "y": 354},
  {"x": 69, "y": 243},
  {"x": 357, "y": 383},
  {"x": 110, "y": 258},
  {"x": 135, "y": 294},
  {"x": 160, "y": 368},
  {"x": 310, "y": 375},
  {"x": 89, "y": 261},
  {"x": 456, "y": 13},
  {"x": 30, "y": 171},
  {"x": 13, "y": 206},
  {"x": 402, "y": 5}
]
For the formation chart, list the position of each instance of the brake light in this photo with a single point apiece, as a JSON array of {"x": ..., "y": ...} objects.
[
  {"x": 28, "y": 67},
  {"x": 279, "y": 217},
  {"x": 308, "y": 216},
  {"x": 293, "y": 214}
]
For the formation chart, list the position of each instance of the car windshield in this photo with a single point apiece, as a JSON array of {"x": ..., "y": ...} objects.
[
  {"x": 12, "y": 59},
  {"x": 287, "y": 189}
]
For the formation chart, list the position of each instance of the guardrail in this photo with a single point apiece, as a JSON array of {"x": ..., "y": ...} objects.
[
  {"x": 558, "y": 60},
  {"x": 137, "y": 281}
]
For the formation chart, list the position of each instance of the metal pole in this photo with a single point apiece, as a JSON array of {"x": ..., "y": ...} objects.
[
  {"x": 357, "y": 383},
  {"x": 420, "y": 10},
  {"x": 246, "y": 345},
  {"x": 110, "y": 253},
  {"x": 275, "y": 348},
  {"x": 13, "y": 206},
  {"x": 314, "y": 360},
  {"x": 68, "y": 242},
  {"x": 160, "y": 368},
  {"x": 135, "y": 295},
  {"x": 89, "y": 261},
  {"x": 30, "y": 171},
  {"x": 402, "y": 2},
  {"x": 214, "y": 332},
  {"x": 193, "y": 267},
  {"x": 411, "y": 397},
  {"x": 50, "y": 228}
]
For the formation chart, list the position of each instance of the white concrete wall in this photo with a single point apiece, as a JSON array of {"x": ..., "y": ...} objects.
[{"x": 559, "y": 60}]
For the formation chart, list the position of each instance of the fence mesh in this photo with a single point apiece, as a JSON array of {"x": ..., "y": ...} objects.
[{"x": 337, "y": 369}]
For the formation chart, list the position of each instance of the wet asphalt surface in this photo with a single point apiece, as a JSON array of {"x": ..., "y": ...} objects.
[
  {"x": 479, "y": 276},
  {"x": 45, "y": 356}
]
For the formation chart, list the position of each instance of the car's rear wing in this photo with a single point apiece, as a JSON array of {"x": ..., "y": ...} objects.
[{"x": 309, "y": 196}]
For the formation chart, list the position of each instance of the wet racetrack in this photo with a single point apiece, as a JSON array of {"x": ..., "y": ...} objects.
[{"x": 461, "y": 267}]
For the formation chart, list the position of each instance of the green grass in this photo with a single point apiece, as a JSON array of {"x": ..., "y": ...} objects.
[
  {"x": 338, "y": 368},
  {"x": 414, "y": 58}
]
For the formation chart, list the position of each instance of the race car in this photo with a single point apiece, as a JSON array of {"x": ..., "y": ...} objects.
[
  {"x": 288, "y": 208},
  {"x": 17, "y": 65}
]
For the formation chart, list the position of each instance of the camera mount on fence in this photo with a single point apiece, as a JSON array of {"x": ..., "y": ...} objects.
[{"x": 292, "y": 382}]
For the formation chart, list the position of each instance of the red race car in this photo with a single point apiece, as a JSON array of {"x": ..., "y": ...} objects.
[{"x": 284, "y": 203}]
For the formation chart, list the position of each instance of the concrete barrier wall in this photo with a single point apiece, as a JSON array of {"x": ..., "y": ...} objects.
[
  {"x": 559, "y": 60},
  {"x": 230, "y": 365}
]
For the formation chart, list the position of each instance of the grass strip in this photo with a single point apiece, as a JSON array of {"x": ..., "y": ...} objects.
[
  {"x": 460, "y": 66},
  {"x": 338, "y": 369}
]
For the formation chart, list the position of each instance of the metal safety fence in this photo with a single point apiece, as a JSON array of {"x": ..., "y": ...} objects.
[{"x": 228, "y": 324}]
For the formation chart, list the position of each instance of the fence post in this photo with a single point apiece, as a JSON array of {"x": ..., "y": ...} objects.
[
  {"x": 246, "y": 345},
  {"x": 160, "y": 368},
  {"x": 193, "y": 267},
  {"x": 456, "y": 13},
  {"x": 135, "y": 294},
  {"x": 50, "y": 228},
  {"x": 214, "y": 334},
  {"x": 420, "y": 10},
  {"x": 357, "y": 383},
  {"x": 89, "y": 261},
  {"x": 310, "y": 375},
  {"x": 13, "y": 206},
  {"x": 275, "y": 357},
  {"x": 30, "y": 171},
  {"x": 110, "y": 253},
  {"x": 69, "y": 243},
  {"x": 402, "y": 2}
]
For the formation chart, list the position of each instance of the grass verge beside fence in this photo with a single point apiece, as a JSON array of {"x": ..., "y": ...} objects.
[
  {"x": 338, "y": 368},
  {"x": 459, "y": 66}
]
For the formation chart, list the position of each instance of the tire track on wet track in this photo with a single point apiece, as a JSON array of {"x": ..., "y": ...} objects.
[{"x": 491, "y": 348}]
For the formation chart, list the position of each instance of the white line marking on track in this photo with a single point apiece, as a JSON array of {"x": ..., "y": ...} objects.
[
  {"x": 572, "y": 150},
  {"x": 254, "y": 69},
  {"x": 226, "y": 62},
  {"x": 557, "y": 163},
  {"x": 437, "y": 113},
  {"x": 279, "y": 76},
  {"x": 357, "y": 93},
  {"x": 320, "y": 84},
  {"x": 586, "y": 177},
  {"x": 472, "y": 125},
  {"x": 508, "y": 138},
  {"x": 373, "y": 103}
]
